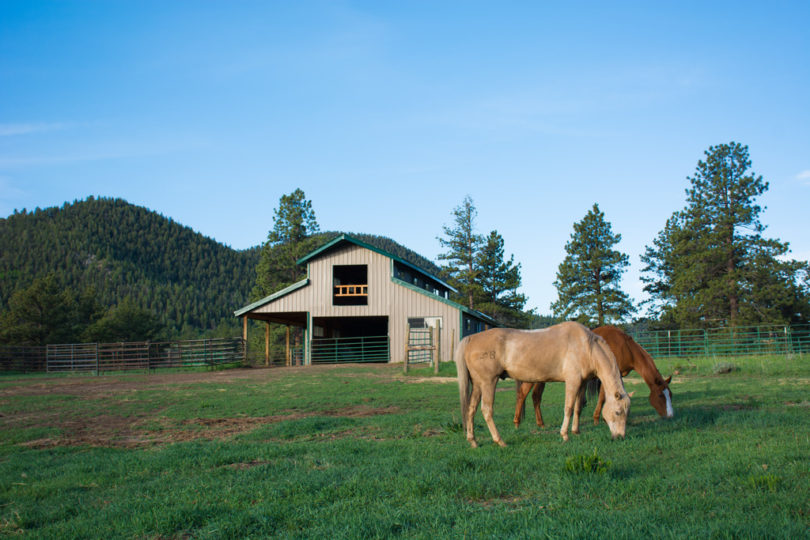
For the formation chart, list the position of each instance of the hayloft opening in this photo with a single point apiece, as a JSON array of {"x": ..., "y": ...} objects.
[{"x": 350, "y": 285}]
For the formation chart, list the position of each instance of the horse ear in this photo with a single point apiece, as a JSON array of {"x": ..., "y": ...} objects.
[
  {"x": 631, "y": 393},
  {"x": 668, "y": 380}
]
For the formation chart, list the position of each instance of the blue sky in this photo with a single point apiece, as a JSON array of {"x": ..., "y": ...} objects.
[{"x": 387, "y": 114}]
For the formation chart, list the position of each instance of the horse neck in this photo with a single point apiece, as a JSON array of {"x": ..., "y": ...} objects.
[
  {"x": 607, "y": 371},
  {"x": 644, "y": 366}
]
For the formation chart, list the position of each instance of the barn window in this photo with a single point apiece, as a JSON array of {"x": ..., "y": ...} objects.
[{"x": 350, "y": 285}]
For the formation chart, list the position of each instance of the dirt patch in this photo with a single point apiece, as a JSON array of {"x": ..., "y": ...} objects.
[
  {"x": 153, "y": 427},
  {"x": 443, "y": 380},
  {"x": 99, "y": 386},
  {"x": 123, "y": 432}
]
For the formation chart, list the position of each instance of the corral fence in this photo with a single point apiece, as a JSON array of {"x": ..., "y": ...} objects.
[
  {"x": 350, "y": 349},
  {"x": 737, "y": 341},
  {"x": 124, "y": 356}
]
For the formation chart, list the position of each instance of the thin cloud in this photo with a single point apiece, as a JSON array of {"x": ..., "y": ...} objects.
[
  {"x": 7, "y": 130},
  {"x": 804, "y": 177}
]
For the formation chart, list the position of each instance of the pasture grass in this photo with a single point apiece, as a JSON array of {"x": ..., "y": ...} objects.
[{"x": 365, "y": 451}]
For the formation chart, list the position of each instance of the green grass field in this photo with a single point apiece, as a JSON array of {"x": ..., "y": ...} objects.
[{"x": 364, "y": 451}]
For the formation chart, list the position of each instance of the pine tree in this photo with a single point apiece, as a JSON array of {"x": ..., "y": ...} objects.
[
  {"x": 289, "y": 240},
  {"x": 499, "y": 280},
  {"x": 588, "y": 279},
  {"x": 710, "y": 265},
  {"x": 463, "y": 244}
]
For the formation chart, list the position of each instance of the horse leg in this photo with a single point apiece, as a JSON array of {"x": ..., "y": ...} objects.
[
  {"x": 578, "y": 409},
  {"x": 599, "y": 403},
  {"x": 475, "y": 398},
  {"x": 571, "y": 394},
  {"x": 487, "y": 400},
  {"x": 537, "y": 395},
  {"x": 522, "y": 391}
]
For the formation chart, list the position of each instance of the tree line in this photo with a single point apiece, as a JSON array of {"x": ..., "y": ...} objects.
[
  {"x": 710, "y": 266},
  {"x": 104, "y": 269}
]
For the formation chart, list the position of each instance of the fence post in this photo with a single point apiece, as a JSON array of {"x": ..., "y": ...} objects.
[
  {"x": 453, "y": 344},
  {"x": 438, "y": 348},
  {"x": 407, "y": 345},
  {"x": 433, "y": 352},
  {"x": 705, "y": 342}
]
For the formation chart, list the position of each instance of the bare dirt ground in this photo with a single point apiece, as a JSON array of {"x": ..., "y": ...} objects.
[{"x": 152, "y": 428}]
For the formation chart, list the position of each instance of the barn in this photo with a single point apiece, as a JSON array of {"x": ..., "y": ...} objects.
[{"x": 362, "y": 303}]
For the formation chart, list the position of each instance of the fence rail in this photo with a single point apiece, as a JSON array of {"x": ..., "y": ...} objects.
[
  {"x": 101, "y": 357},
  {"x": 738, "y": 341}
]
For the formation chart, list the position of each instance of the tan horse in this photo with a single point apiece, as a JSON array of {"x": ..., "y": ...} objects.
[
  {"x": 629, "y": 356},
  {"x": 567, "y": 352}
]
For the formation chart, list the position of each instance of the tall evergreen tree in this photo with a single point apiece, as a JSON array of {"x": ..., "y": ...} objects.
[
  {"x": 588, "y": 279},
  {"x": 45, "y": 312},
  {"x": 462, "y": 244},
  {"x": 499, "y": 280},
  {"x": 294, "y": 224},
  {"x": 710, "y": 264}
]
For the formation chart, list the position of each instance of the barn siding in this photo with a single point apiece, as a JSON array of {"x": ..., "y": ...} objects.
[{"x": 385, "y": 298}]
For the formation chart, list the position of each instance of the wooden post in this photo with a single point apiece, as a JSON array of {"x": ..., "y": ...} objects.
[
  {"x": 407, "y": 344},
  {"x": 438, "y": 348},
  {"x": 453, "y": 344},
  {"x": 287, "y": 356},
  {"x": 266, "y": 343},
  {"x": 434, "y": 357},
  {"x": 244, "y": 339}
]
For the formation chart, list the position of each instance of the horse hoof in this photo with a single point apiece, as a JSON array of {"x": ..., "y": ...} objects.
[
  {"x": 473, "y": 444},
  {"x": 501, "y": 444},
  {"x": 565, "y": 437},
  {"x": 575, "y": 431}
]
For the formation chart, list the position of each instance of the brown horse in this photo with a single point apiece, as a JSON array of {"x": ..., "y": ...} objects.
[
  {"x": 567, "y": 352},
  {"x": 630, "y": 356}
]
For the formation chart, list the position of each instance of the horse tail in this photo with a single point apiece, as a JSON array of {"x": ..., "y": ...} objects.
[{"x": 464, "y": 386}]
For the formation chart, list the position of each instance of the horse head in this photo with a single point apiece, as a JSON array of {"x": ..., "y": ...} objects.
[
  {"x": 661, "y": 397},
  {"x": 615, "y": 412}
]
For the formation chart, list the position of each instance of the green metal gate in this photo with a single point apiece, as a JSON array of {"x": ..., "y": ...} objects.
[{"x": 350, "y": 349}]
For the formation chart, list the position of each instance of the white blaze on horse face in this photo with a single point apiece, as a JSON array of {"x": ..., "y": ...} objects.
[{"x": 670, "y": 411}]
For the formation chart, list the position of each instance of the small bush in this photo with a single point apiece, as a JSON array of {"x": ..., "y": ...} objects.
[
  {"x": 724, "y": 367},
  {"x": 586, "y": 464}
]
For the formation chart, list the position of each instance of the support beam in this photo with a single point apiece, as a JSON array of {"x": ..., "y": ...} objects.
[
  {"x": 288, "y": 356},
  {"x": 267, "y": 343}
]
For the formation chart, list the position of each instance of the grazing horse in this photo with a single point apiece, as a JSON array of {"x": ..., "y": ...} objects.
[
  {"x": 629, "y": 356},
  {"x": 567, "y": 352}
]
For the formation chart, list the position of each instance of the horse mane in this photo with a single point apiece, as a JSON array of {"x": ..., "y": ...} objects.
[{"x": 594, "y": 384}]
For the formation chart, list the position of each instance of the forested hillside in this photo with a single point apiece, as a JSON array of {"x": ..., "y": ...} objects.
[{"x": 117, "y": 251}]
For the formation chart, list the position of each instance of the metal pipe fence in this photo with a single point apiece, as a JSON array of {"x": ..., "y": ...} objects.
[
  {"x": 351, "y": 349},
  {"x": 124, "y": 356},
  {"x": 737, "y": 341}
]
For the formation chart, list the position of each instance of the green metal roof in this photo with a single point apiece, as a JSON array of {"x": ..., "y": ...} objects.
[{"x": 352, "y": 240}]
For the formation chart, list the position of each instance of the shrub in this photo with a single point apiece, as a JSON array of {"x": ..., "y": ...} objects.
[{"x": 724, "y": 367}]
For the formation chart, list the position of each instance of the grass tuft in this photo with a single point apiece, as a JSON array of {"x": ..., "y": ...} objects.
[{"x": 592, "y": 464}]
